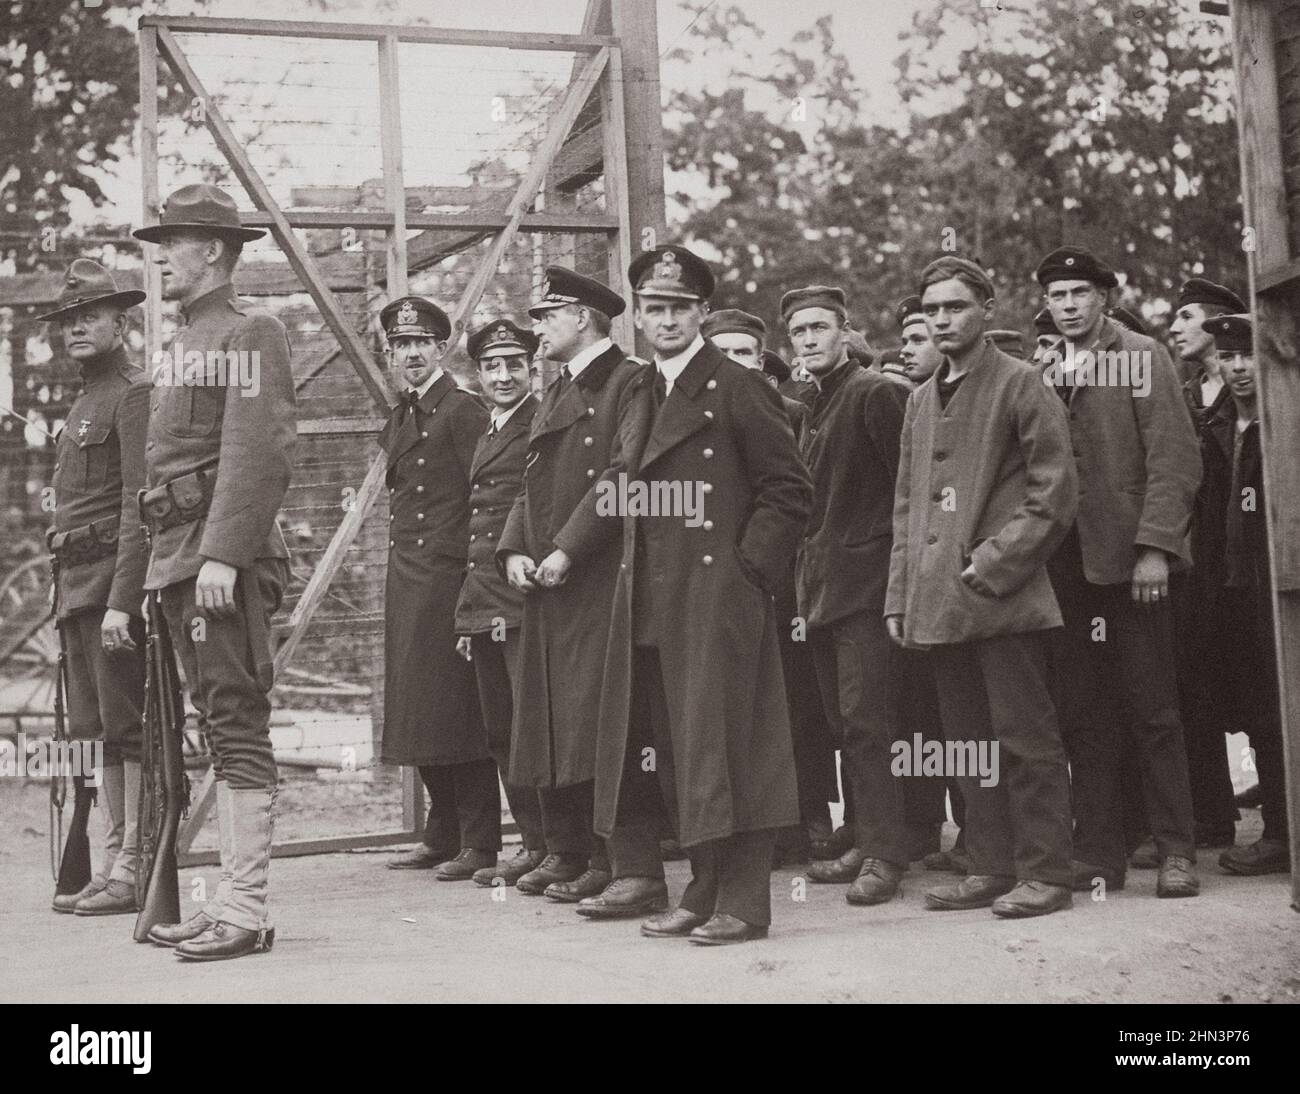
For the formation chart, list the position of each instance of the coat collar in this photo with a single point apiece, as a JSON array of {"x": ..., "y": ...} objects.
[
  {"x": 491, "y": 446},
  {"x": 215, "y": 300},
  {"x": 112, "y": 364},
  {"x": 1221, "y": 424},
  {"x": 568, "y": 402},
  {"x": 437, "y": 391},
  {"x": 682, "y": 413}
]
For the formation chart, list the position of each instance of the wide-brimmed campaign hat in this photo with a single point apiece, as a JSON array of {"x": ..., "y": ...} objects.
[
  {"x": 88, "y": 284},
  {"x": 200, "y": 207}
]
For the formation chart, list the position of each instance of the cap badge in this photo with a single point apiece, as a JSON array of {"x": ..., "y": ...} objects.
[
  {"x": 83, "y": 428},
  {"x": 668, "y": 268},
  {"x": 406, "y": 314},
  {"x": 1069, "y": 261}
]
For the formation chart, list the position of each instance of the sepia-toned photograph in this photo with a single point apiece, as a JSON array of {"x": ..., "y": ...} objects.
[{"x": 650, "y": 501}]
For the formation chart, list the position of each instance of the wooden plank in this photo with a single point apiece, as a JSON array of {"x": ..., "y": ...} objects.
[
  {"x": 151, "y": 278},
  {"x": 361, "y": 32},
  {"x": 636, "y": 25},
  {"x": 477, "y": 221},
  {"x": 616, "y": 190},
  {"x": 394, "y": 186},
  {"x": 332, "y": 559},
  {"x": 1259, "y": 133},
  {"x": 413, "y": 809},
  {"x": 528, "y": 189},
  {"x": 303, "y": 265},
  {"x": 1277, "y": 342},
  {"x": 1278, "y": 275},
  {"x": 313, "y": 427}
]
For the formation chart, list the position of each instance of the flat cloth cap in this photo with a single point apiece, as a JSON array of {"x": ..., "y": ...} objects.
[
  {"x": 829, "y": 297},
  {"x": 909, "y": 311},
  {"x": 1075, "y": 264},
  {"x": 733, "y": 321},
  {"x": 1232, "y": 333},
  {"x": 1199, "y": 290}
]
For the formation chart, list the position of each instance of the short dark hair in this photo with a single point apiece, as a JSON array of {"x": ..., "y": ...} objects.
[
  {"x": 602, "y": 322},
  {"x": 231, "y": 249}
]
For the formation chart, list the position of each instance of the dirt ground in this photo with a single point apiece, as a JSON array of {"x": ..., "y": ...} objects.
[{"x": 347, "y": 929}]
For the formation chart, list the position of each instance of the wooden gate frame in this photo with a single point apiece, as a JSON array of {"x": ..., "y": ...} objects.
[
  {"x": 598, "y": 69},
  {"x": 1275, "y": 295}
]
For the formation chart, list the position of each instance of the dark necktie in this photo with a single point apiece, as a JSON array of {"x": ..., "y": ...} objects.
[{"x": 660, "y": 389}]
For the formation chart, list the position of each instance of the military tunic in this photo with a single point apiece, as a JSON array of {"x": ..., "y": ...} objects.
[
  {"x": 218, "y": 460},
  {"x": 99, "y": 549}
]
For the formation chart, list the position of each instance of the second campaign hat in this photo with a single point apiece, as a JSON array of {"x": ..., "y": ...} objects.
[
  {"x": 87, "y": 283},
  {"x": 199, "y": 207}
]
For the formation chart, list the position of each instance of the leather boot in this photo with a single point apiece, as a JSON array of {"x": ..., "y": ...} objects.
[
  {"x": 66, "y": 903},
  {"x": 244, "y": 926}
]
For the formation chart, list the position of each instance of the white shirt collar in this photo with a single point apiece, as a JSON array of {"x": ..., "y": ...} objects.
[
  {"x": 583, "y": 359},
  {"x": 423, "y": 389},
  {"x": 672, "y": 367},
  {"x": 500, "y": 417}
]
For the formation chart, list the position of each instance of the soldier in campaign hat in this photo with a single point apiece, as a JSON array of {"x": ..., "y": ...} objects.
[
  {"x": 490, "y": 610},
  {"x": 566, "y": 575},
  {"x": 218, "y": 462},
  {"x": 98, "y": 556},
  {"x": 432, "y": 717},
  {"x": 711, "y": 710}
]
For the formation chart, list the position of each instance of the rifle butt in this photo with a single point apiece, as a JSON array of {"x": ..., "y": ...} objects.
[{"x": 74, "y": 863}]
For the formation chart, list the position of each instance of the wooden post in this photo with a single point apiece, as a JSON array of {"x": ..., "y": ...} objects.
[
  {"x": 152, "y": 281},
  {"x": 394, "y": 186},
  {"x": 636, "y": 27},
  {"x": 1276, "y": 298},
  {"x": 612, "y": 108}
]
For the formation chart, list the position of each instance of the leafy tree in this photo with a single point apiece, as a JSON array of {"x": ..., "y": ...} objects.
[
  {"x": 1111, "y": 128},
  {"x": 68, "y": 97}
]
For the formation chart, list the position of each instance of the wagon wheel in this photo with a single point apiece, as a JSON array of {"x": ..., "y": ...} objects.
[{"x": 29, "y": 644}]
